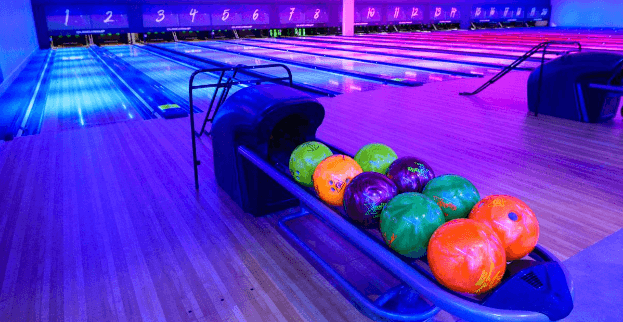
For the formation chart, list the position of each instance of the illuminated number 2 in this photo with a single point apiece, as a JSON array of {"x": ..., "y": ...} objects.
[
  {"x": 225, "y": 15},
  {"x": 66, "y": 16},
  {"x": 109, "y": 18},
  {"x": 291, "y": 13},
  {"x": 256, "y": 14},
  {"x": 415, "y": 12},
  {"x": 160, "y": 16},
  {"x": 371, "y": 12},
  {"x": 317, "y": 14},
  {"x": 396, "y": 12},
  {"x": 193, "y": 12}
]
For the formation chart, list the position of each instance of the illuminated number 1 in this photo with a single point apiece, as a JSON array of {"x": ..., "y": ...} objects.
[
  {"x": 160, "y": 16},
  {"x": 396, "y": 12},
  {"x": 291, "y": 13},
  {"x": 415, "y": 12},
  {"x": 317, "y": 14},
  {"x": 256, "y": 14},
  {"x": 225, "y": 15},
  {"x": 193, "y": 12},
  {"x": 452, "y": 12},
  {"x": 66, "y": 16},
  {"x": 371, "y": 12},
  {"x": 519, "y": 11},
  {"x": 109, "y": 18}
]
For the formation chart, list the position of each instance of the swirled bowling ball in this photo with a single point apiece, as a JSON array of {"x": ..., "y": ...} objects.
[
  {"x": 408, "y": 221},
  {"x": 455, "y": 195},
  {"x": 513, "y": 221},
  {"x": 410, "y": 174},
  {"x": 366, "y": 197},
  {"x": 331, "y": 177},
  {"x": 375, "y": 157},
  {"x": 466, "y": 256},
  {"x": 304, "y": 160}
]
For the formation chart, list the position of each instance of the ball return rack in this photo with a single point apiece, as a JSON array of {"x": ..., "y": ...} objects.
[{"x": 253, "y": 135}]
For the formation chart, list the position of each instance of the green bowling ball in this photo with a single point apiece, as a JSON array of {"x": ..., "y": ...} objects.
[
  {"x": 455, "y": 195},
  {"x": 408, "y": 221},
  {"x": 304, "y": 160},
  {"x": 375, "y": 157}
]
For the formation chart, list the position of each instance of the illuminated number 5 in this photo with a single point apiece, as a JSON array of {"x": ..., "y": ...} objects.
[
  {"x": 256, "y": 14},
  {"x": 225, "y": 15},
  {"x": 193, "y": 12},
  {"x": 109, "y": 18},
  {"x": 317, "y": 14},
  {"x": 160, "y": 16}
]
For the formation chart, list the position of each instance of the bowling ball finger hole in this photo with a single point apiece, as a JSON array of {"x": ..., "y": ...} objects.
[
  {"x": 331, "y": 183},
  {"x": 347, "y": 180},
  {"x": 298, "y": 172},
  {"x": 332, "y": 189},
  {"x": 513, "y": 216}
]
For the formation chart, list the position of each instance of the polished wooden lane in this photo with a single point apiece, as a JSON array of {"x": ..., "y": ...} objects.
[{"x": 104, "y": 224}]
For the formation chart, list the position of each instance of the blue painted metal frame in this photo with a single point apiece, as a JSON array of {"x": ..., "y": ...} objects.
[
  {"x": 394, "y": 55},
  {"x": 454, "y": 303},
  {"x": 367, "y": 76}
]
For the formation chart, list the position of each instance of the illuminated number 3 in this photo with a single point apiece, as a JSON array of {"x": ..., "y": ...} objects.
[{"x": 160, "y": 16}]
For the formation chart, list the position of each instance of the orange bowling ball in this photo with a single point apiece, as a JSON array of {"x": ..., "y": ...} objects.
[
  {"x": 332, "y": 176},
  {"x": 466, "y": 256},
  {"x": 513, "y": 221}
]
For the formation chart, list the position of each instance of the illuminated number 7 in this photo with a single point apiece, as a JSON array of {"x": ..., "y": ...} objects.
[
  {"x": 160, "y": 16},
  {"x": 291, "y": 13},
  {"x": 193, "y": 12},
  {"x": 109, "y": 18},
  {"x": 66, "y": 17}
]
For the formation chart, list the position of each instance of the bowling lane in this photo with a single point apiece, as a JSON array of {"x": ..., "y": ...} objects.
[
  {"x": 173, "y": 75},
  {"x": 315, "y": 78},
  {"x": 337, "y": 64},
  {"x": 371, "y": 48},
  {"x": 443, "y": 67},
  {"x": 82, "y": 94}
]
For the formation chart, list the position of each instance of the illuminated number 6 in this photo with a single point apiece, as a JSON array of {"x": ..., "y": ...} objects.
[{"x": 256, "y": 14}]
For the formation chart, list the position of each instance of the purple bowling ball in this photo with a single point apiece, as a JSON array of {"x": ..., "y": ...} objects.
[
  {"x": 410, "y": 174},
  {"x": 366, "y": 196}
]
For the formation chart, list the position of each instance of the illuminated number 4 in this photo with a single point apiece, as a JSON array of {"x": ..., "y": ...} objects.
[{"x": 193, "y": 12}]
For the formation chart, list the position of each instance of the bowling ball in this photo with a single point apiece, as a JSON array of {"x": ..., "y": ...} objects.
[
  {"x": 410, "y": 174},
  {"x": 408, "y": 221},
  {"x": 331, "y": 177},
  {"x": 513, "y": 221},
  {"x": 304, "y": 160},
  {"x": 375, "y": 157},
  {"x": 455, "y": 195},
  {"x": 366, "y": 197},
  {"x": 466, "y": 256}
]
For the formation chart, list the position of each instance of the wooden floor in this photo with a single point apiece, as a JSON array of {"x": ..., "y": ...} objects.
[{"x": 104, "y": 224}]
